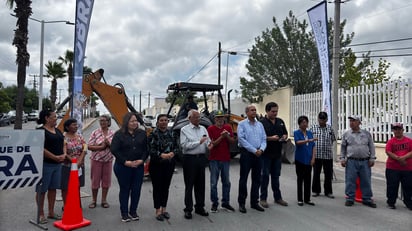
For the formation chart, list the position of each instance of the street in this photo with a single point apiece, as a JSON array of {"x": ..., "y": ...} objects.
[{"x": 18, "y": 206}]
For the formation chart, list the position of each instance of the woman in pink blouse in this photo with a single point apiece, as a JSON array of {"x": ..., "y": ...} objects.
[
  {"x": 101, "y": 160},
  {"x": 74, "y": 147}
]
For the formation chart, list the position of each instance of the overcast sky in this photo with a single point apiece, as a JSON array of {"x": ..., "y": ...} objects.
[{"x": 147, "y": 45}]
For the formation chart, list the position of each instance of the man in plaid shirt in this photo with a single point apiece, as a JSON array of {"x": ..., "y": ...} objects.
[{"x": 324, "y": 156}]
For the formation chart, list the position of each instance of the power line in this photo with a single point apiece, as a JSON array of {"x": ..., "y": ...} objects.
[
  {"x": 381, "y": 50},
  {"x": 203, "y": 67},
  {"x": 378, "y": 42}
]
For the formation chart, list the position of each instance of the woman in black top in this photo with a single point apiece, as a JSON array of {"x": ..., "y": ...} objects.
[
  {"x": 53, "y": 157},
  {"x": 162, "y": 147},
  {"x": 129, "y": 146}
]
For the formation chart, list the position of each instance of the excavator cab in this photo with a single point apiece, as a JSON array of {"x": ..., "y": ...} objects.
[{"x": 206, "y": 116}]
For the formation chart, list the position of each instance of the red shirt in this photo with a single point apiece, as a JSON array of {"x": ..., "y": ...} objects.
[
  {"x": 400, "y": 148},
  {"x": 220, "y": 152}
]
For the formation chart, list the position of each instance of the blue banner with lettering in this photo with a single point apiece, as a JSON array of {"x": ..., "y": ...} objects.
[{"x": 83, "y": 15}]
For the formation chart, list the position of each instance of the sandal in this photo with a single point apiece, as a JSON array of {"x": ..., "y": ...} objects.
[
  {"x": 55, "y": 217},
  {"x": 92, "y": 205},
  {"x": 105, "y": 205},
  {"x": 42, "y": 220}
]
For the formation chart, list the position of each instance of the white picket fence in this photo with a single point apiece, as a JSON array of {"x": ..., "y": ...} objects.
[{"x": 378, "y": 104}]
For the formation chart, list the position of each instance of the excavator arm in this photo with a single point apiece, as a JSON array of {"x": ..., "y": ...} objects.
[{"x": 113, "y": 97}]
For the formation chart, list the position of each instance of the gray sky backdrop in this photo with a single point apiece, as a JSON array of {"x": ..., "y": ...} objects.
[{"x": 146, "y": 45}]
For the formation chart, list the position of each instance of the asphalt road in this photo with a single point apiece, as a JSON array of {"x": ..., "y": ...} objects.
[{"x": 17, "y": 207}]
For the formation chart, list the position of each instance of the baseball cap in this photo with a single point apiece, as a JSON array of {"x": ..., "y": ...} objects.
[
  {"x": 397, "y": 125},
  {"x": 219, "y": 113},
  {"x": 355, "y": 117}
]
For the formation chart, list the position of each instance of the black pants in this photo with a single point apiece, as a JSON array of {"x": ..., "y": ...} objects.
[
  {"x": 249, "y": 161},
  {"x": 327, "y": 166},
  {"x": 393, "y": 179},
  {"x": 194, "y": 177},
  {"x": 304, "y": 175},
  {"x": 161, "y": 172}
]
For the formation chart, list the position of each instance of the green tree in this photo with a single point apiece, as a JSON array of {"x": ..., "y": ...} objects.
[
  {"x": 67, "y": 60},
  {"x": 5, "y": 100},
  {"x": 289, "y": 57},
  {"x": 56, "y": 71},
  {"x": 23, "y": 11}
]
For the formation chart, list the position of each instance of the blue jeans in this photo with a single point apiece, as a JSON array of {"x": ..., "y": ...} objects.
[
  {"x": 355, "y": 169},
  {"x": 130, "y": 183},
  {"x": 270, "y": 167},
  {"x": 219, "y": 167}
]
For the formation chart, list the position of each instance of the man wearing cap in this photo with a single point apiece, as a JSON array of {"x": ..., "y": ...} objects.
[
  {"x": 399, "y": 167},
  {"x": 276, "y": 134},
  {"x": 221, "y": 135},
  {"x": 324, "y": 156},
  {"x": 357, "y": 156}
]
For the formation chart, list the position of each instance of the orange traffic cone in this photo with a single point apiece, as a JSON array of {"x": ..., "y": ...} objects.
[
  {"x": 73, "y": 214},
  {"x": 358, "y": 192}
]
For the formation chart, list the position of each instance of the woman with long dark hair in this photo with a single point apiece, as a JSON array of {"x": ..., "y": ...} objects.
[
  {"x": 129, "y": 146},
  {"x": 53, "y": 157}
]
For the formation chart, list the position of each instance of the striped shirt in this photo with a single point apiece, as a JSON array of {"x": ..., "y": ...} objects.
[
  {"x": 326, "y": 137},
  {"x": 96, "y": 138}
]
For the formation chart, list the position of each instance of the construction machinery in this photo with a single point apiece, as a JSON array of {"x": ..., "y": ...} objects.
[{"x": 206, "y": 117}]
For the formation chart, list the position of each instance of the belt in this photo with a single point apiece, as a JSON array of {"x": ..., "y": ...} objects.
[
  {"x": 360, "y": 159},
  {"x": 194, "y": 155}
]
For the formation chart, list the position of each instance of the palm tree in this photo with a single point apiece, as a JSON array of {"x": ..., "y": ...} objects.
[
  {"x": 23, "y": 11},
  {"x": 55, "y": 70},
  {"x": 67, "y": 60}
]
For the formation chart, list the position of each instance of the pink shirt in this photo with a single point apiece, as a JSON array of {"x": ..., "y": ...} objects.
[
  {"x": 400, "y": 148},
  {"x": 96, "y": 138}
]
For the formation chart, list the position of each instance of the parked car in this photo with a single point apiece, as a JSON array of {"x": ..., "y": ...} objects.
[
  {"x": 4, "y": 119},
  {"x": 148, "y": 120},
  {"x": 34, "y": 115},
  {"x": 12, "y": 116}
]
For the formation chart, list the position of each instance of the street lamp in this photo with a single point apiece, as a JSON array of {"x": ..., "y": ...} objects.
[
  {"x": 41, "y": 55},
  {"x": 227, "y": 67}
]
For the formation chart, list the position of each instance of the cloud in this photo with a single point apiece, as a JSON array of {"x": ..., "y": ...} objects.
[{"x": 147, "y": 45}]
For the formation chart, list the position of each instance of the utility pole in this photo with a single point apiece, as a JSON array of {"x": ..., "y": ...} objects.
[
  {"x": 140, "y": 102},
  {"x": 34, "y": 81},
  {"x": 335, "y": 74},
  {"x": 219, "y": 54},
  {"x": 148, "y": 101}
]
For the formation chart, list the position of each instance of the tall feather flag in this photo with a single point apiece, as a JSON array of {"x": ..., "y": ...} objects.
[
  {"x": 318, "y": 20},
  {"x": 84, "y": 10}
]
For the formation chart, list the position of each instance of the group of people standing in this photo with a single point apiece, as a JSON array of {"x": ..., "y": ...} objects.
[{"x": 260, "y": 144}]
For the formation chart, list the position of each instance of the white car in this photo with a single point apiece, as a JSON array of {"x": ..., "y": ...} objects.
[{"x": 34, "y": 115}]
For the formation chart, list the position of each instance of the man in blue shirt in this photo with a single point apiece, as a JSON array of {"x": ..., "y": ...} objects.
[{"x": 252, "y": 143}]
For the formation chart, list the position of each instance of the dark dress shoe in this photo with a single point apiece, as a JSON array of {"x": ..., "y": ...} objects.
[
  {"x": 309, "y": 202},
  {"x": 202, "y": 212},
  {"x": 242, "y": 208},
  {"x": 369, "y": 204},
  {"x": 257, "y": 207},
  {"x": 188, "y": 215},
  {"x": 300, "y": 203},
  {"x": 315, "y": 194},
  {"x": 331, "y": 196}
]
